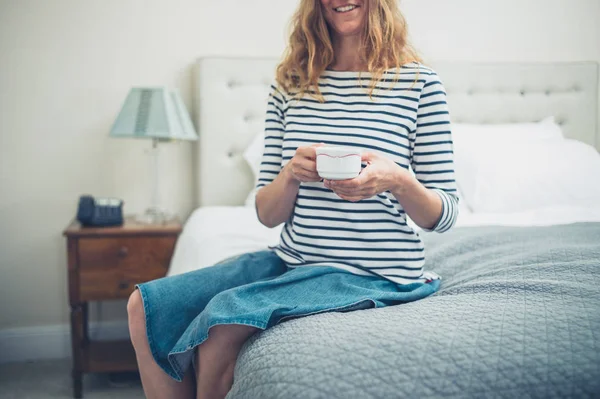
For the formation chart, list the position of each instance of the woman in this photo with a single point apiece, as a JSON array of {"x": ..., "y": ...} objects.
[{"x": 349, "y": 78}]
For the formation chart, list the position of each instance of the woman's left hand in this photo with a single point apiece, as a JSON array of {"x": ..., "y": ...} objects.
[{"x": 380, "y": 175}]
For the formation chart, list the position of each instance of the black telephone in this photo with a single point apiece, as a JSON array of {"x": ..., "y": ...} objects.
[{"x": 100, "y": 212}]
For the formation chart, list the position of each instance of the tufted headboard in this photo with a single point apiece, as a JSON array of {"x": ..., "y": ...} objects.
[{"x": 230, "y": 96}]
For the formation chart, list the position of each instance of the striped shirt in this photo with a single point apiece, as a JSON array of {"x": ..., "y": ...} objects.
[{"x": 406, "y": 120}]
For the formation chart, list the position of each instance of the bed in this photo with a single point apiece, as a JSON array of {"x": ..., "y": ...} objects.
[{"x": 518, "y": 313}]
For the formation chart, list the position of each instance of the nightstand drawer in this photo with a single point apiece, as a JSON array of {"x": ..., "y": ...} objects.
[{"x": 110, "y": 267}]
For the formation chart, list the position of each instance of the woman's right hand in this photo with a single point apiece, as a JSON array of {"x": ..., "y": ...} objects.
[{"x": 302, "y": 167}]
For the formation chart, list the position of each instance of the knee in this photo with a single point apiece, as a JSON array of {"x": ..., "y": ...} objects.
[{"x": 136, "y": 317}]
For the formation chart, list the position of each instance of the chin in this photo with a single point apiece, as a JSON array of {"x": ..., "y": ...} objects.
[{"x": 348, "y": 29}]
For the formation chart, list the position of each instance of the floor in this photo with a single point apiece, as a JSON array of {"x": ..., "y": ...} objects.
[{"x": 52, "y": 380}]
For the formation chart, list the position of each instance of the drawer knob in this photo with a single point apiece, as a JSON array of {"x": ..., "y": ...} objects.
[
  {"x": 123, "y": 252},
  {"x": 123, "y": 285}
]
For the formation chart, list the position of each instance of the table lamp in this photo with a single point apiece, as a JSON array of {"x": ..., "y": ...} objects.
[{"x": 159, "y": 114}]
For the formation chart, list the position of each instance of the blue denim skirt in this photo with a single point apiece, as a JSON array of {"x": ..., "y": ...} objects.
[{"x": 256, "y": 289}]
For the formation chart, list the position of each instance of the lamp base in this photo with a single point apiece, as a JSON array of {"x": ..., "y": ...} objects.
[{"x": 153, "y": 216}]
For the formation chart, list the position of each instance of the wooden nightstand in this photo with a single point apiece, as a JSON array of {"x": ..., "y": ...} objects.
[{"x": 105, "y": 264}]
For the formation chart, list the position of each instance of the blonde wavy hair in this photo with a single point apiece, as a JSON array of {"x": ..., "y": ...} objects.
[{"x": 310, "y": 51}]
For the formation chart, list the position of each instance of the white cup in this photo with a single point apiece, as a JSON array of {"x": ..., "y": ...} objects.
[{"x": 338, "y": 163}]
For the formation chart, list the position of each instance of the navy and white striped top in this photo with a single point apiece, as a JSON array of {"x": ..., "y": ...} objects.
[{"x": 406, "y": 120}]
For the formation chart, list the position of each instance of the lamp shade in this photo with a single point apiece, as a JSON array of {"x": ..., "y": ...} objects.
[{"x": 156, "y": 113}]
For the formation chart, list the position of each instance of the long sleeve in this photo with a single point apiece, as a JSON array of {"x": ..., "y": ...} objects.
[
  {"x": 274, "y": 128},
  {"x": 432, "y": 150}
]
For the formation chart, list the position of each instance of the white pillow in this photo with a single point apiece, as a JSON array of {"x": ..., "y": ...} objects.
[
  {"x": 254, "y": 152},
  {"x": 535, "y": 174},
  {"x": 464, "y": 133},
  {"x": 253, "y": 156},
  {"x": 471, "y": 140}
]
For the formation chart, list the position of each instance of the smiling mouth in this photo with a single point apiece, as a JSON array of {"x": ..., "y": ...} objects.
[{"x": 346, "y": 8}]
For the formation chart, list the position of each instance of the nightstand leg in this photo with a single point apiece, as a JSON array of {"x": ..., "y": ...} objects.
[
  {"x": 77, "y": 331},
  {"x": 86, "y": 337},
  {"x": 77, "y": 384}
]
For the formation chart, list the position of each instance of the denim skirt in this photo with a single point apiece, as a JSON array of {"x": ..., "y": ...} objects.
[{"x": 255, "y": 289}]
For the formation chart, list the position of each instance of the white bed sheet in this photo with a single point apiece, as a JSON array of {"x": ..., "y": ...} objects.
[{"x": 214, "y": 233}]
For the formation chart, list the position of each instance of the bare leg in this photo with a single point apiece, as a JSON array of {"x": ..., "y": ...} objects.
[
  {"x": 216, "y": 359},
  {"x": 157, "y": 384}
]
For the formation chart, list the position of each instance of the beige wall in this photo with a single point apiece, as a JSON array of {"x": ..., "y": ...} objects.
[{"x": 66, "y": 66}]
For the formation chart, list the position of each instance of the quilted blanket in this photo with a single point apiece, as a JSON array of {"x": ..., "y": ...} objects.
[{"x": 518, "y": 315}]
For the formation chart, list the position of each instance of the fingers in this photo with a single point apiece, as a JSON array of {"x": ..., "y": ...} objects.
[
  {"x": 368, "y": 157},
  {"x": 362, "y": 193},
  {"x": 366, "y": 193},
  {"x": 305, "y": 175},
  {"x": 345, "y": 185},
  {"x": 305, "y": 171},
  {"x": 307, "y": 152},
  {"x": 306, "y": 164},
  {"x": 361, "y": 187},
  {"x": 308, "y": 176},
  {"x": 351, "y": 198},
  {"x": 363, "y": 179},
  {"x": 303, "y": 165}
]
